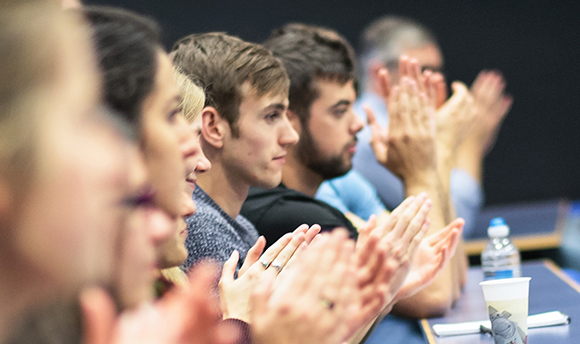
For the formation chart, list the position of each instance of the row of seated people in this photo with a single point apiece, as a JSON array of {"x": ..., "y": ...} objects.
[{"x": 105, "y": 137}]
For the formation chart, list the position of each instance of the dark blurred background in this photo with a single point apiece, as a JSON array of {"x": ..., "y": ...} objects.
[{"x": 535, "y": 44}]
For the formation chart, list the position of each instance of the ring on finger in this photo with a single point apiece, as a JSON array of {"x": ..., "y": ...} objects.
[
  {"x": 265, "y": 264},
  {"x": 326, "y": 303},
  {"x": 276, "y": 266}
]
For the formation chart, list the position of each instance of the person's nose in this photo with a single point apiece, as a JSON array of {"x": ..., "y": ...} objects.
[
  {"x": 288, "y": 136},
  {"x": 203, "y": 164},
  {"x": 160, "y": 225},
  {"x": 356, "y": 125},
  {"x": 188, "y": 205}
]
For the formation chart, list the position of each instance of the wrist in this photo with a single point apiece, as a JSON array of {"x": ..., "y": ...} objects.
[{"x": 421, "y": 182}]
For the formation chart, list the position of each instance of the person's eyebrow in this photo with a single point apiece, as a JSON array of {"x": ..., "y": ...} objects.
[
  {"x": 175, "y": 101},
  {"x": 178, "y": 98},
  {"x": 341, "y": 103},
  {"x": 276, "y": 106}
]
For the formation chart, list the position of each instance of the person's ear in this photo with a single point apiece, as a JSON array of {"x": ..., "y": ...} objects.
[
  {"x": 294, "y": 121},
  {"x": 214, "y": 127}
]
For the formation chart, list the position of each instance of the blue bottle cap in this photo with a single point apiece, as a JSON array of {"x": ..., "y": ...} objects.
[
  {"x": 497, "y": 221},
  {"x": 497, "y": 228}
]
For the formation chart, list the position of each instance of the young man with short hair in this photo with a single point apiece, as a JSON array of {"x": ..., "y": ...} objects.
[{"x": 245, "y": 135}]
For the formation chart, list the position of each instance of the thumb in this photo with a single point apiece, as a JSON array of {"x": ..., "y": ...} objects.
[
  {"x": 459, "y": 88},
  {"x": 455, "y": 236},
  {"x": 99, "y": 316},
  {"x": 385, "y": 82}
]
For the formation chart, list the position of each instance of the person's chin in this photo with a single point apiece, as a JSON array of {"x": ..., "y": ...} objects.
[
  {"x": 270, "y": 184},
  {"x": 189, "y": 187}
]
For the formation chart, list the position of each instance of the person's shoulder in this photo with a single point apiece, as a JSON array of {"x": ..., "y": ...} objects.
[
  {"x": 209, "y": 218},
  {"x": 289, "y": 208},
  {"x": 257, "y": 193},
  {"x": 279, "y": 196},
  {"x": 243, "y": 222}
]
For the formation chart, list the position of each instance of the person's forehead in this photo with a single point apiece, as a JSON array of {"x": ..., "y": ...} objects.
[
  {"x": 333, "y": 90},
  {"x": 164, "y": 73},
  {"x": 165, "y": 90},
  {"x": 428, "y": 55},
  {"x": 250, "y": 95}
]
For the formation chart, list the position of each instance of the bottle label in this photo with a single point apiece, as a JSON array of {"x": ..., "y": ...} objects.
[
  {"x": 499, "y": 274},
  {"x": 504, "y": 274}
]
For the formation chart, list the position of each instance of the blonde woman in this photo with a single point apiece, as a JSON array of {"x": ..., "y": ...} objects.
[{"x": 173, "y": 251}]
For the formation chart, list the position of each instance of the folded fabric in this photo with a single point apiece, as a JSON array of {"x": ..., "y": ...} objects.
[{"x": 536, "y": 320}]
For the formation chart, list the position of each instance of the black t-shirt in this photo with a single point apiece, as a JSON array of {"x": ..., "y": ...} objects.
[{"x": 278, "y": 211}]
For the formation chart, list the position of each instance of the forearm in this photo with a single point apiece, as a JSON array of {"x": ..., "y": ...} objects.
[
  {"x": 470, "y": 159},
  {"x": 430, "y": 183},
  {"x": 361, "y": 335},
  {"x": 437, "y": 298},
  {"x": 434, "y": 300}
]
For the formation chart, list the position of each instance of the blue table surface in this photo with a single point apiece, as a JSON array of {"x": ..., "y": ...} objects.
[
  {"x": 535, "y": 218},
  {"x": 548, "y": 292}
]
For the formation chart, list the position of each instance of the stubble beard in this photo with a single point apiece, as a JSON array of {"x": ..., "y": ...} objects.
[{"x": 327, "y": 167}]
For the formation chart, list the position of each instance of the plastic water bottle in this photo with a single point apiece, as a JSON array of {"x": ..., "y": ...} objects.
[{"x": 500, "y": 259}]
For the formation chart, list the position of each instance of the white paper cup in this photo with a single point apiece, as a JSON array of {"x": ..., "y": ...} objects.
[{"x": 507, "y": 305}]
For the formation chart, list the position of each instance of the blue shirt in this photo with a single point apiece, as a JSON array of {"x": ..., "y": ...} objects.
[
  {"x": 351, "y": 193},
  {"x": 466, "y": 192}
]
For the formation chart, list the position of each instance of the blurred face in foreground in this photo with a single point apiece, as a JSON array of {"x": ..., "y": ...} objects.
[
  {"x": 161, "y": 204},
  {"x": 67, "y": 222}
]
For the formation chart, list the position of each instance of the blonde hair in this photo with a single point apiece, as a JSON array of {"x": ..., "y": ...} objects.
[
  {"x": 192, "y": 96},
  {"x": 176, "y": 276}
]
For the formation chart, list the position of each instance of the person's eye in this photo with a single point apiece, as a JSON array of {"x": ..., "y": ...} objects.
[
  {"x": 142, "y": 199},
  {"x": 271, "y": 117},
  {"x": 338, "y": 113},
  {"x": 173, "y": 115}
]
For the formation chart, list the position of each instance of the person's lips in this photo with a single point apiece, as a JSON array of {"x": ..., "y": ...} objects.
[
  {"x": 351, "y": 147},
  {"x": 191, "y": 183},
  {"x": 281, "y": 158}
]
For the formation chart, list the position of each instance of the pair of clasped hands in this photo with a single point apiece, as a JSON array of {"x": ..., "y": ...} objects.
[
  {"x": 307, "y": 287},
  {"x": 427, "y": 129}
]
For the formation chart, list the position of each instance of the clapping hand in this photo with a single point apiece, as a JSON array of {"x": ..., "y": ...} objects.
[{"x": 235, "y": 293}]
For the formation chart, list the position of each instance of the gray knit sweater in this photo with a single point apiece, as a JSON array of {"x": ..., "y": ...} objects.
[{"x": 213, "y": 234}]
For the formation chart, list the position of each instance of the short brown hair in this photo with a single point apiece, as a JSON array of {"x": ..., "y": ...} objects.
[
  {"x": 222, "y": 64},
  {"x": 310, "y": 53}
]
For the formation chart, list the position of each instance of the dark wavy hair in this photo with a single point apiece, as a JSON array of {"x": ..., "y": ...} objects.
[{"x": 127, "y": 45}]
